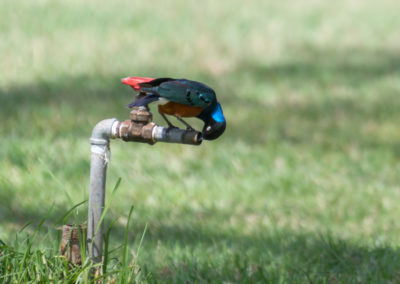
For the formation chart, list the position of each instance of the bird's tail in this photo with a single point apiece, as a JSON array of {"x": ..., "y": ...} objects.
[{"x": 135, "y": 82}]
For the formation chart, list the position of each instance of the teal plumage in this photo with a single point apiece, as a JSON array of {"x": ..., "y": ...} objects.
[
  {"x": 181, "y": 98},
  {"x": 181, "y": 91}
]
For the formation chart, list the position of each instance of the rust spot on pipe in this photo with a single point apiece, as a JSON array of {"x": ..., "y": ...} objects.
[{"x": 72, "y": 238}]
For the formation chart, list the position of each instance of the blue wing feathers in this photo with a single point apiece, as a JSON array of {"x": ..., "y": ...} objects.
[{"x": 144, "y": 100}]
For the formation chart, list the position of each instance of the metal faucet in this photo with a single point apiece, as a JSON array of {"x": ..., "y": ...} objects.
[{"x": 139, "y": 128}]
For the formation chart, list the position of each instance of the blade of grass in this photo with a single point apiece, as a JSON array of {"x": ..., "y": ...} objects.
[
  {"x": 106, "y": 246},
  {"x": 56, "y": 179},
  {"x": 125, "y": 253},
  {"x": 125, "y": 248},
  {"x": 141, "y": 239},
  {"x": 108, "y": 205},
  {"x": 64, "y": 218},
  {"x": 25, "y": 226}
]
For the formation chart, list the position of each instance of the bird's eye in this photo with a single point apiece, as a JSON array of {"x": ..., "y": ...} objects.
[
  {"x": 202, "y": 97},
  {"x": 208, "y": 128}
]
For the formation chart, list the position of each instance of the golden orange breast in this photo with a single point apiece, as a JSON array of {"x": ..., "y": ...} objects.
[{"x": 179, "y": 109}]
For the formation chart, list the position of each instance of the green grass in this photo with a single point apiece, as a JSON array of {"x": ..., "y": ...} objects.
[{"x": 302, "y": 187}]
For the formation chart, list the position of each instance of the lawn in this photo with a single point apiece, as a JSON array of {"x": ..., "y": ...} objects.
[{"x": 301, "y": 188}]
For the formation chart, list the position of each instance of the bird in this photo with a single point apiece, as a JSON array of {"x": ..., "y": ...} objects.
[{"x": 180, "y": 98}]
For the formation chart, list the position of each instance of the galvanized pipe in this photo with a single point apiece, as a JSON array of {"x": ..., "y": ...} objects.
[
  {"x": 100, "y": 146},
  {"x": 138, "y": 129}
]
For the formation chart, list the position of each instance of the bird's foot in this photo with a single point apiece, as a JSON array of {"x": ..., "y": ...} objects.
[{"x": 170, "y": 125}]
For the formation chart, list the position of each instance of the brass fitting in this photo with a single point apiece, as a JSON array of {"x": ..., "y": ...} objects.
[
  {"x": 141, "y": 115},
  {"x": 139, "y": 128}
]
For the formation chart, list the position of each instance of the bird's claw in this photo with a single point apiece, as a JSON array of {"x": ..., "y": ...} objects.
[{"x": 188, "y": 126}]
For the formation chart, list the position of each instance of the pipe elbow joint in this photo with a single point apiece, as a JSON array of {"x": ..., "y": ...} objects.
[{"x": 104, "y": 131}]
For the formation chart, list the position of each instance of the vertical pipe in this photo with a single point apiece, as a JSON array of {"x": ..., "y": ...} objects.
[
  {"x": 98, "y": 168},
  {"x": 100, "y": 142}
]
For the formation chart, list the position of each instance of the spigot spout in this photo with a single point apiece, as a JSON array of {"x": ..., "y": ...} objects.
[{"x": 176, "y": 135}]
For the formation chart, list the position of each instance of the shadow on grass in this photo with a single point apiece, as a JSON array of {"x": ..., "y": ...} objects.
[
  {"x": 195, "y": 252},
  {"x": 339, "y": 67},
  {"x": 285, "y": 256}
]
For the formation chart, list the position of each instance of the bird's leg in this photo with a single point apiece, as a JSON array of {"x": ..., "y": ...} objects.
[
  {"x": 170, "y": 125},
  {"x": 188, "y": 127}
]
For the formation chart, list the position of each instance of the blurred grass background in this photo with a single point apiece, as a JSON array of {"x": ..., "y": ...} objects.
[{"x": 303, "y": 185}]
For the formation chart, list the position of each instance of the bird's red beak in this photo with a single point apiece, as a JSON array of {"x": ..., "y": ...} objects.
[{"x": 135, "y": 81}]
